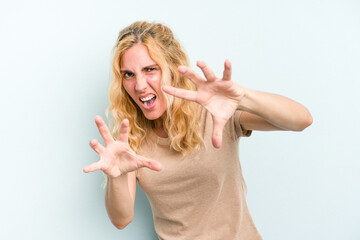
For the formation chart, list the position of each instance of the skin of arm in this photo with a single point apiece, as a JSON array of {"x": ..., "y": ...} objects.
[
  {"x": 267, "y": 111},
  {"x": 119, "y": 163},
  {"x": 120, "y": 199},
  {"x": 221, "y": 97}
]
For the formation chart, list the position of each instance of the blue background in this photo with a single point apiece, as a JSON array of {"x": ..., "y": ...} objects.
[{"x": 54, "y": 76}]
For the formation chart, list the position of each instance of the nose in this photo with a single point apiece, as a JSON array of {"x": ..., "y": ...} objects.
[{"x": 141, "y": 84}]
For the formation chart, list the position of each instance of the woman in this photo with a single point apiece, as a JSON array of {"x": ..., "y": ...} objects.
[{"x": 177, "y": 134}]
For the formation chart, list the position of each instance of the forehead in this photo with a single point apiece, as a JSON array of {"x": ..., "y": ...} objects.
[{"x": 136, "y": 57}]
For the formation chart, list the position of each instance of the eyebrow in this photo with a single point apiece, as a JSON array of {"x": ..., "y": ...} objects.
[
  {"x": 153, "y": 65},
  {"x": 125, "y": 71},
  {"x": 149, "y": 66}
]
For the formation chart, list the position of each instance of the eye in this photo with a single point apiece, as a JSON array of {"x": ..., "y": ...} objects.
[
  {"x": 150, "y": 69},
  {"x": 127, "y": 74}
]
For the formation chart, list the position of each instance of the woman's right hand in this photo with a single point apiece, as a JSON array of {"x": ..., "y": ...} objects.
[{"x": 117, "y": 158}]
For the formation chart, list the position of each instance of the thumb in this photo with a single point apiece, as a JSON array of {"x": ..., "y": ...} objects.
[
  {"x": 151, "y": 164},
  {"x": 92, "y": 167}
]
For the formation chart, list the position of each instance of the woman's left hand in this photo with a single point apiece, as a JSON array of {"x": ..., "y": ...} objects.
[{"x": 220, "y": 97}]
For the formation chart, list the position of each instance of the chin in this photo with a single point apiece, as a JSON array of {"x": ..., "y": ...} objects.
[
  {"x": 154, "y": 116},
  {"x": 151, "y": 116}
]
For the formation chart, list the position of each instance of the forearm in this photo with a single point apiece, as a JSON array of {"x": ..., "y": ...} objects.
[
  {"x": 280, "y": 111},
  {"x": 119, "y": 202}
]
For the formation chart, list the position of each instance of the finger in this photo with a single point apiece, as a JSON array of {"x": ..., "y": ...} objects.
[
  {"x": 124, "y": 131},
  {"x": 180, "y": 93},
  {"x": 227, "y": 70},
  {"x": 217, "y": 133},
  {"x": 209, "y": 74},
  {"x": 190, "y": 74},
  {"x": 103, "y": 129},
  {"x": 151, "y": 164},
  {"x": 93, "y": 167},
  {"x": 94, "y": 144}
]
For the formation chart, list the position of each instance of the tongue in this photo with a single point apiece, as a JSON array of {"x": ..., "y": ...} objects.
[{"x": 150, "y": 102}]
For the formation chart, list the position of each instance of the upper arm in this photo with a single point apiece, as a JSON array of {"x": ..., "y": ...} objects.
[{"x": 250, "y": 121}]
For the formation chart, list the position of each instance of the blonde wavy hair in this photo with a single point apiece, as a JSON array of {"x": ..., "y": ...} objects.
[{"x": 182, "y": 117}]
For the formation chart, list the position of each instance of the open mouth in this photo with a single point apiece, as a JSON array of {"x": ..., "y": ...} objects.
[{"x": 148, "y": 101}]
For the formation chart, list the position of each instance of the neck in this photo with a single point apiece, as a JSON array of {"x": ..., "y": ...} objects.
[{"x": 159, "y": 128}]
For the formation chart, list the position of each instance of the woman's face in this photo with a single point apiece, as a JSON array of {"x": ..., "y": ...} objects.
[{"x": 142, "y": 81}]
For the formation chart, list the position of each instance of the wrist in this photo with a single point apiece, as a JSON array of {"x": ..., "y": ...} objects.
[
  {"x": 117, "y": 178},
  {"x": 243, "y": 102}
]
